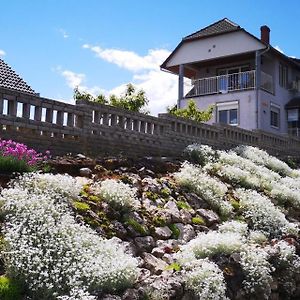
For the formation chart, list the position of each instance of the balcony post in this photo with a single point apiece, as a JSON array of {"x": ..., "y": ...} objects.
[
  {"x": 180, "y": 85},
  {"x": 257, "y": 86}
]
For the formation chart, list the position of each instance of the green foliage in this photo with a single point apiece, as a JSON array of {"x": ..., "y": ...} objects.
[
  {"x": 192, "y": 112},
  {"x": 175, "y": 231},
  {"x": 81, "y": 206},
  {"x": 151, "y": 196},
  {"x": 131, "y": 99},
  {"x": 165, "y": 193},
  {"x": 10, "y": 164},
  {"x": 159, "y": 221},
  {"x": 137, "y": 226},
  {"x": 183, "y": 205},
  {"x": 198, "y": 220},
  {"x": 9, "y": 289},
  {"x": 174, "y": 267}
]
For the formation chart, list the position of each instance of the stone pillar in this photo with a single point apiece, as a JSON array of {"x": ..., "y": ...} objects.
[
  {"x": 26, "y": 111},
  {"x": 38, "y": 113},
  {"x": 143, "y": 126},
  {"x": 49, "y": 115},
  {"x": 1, "y": 104},
  {"x": 60, "y": 118},
  {"x": 12, "y": 108},
  {"x": 180, "y": 85},
  {"x": 70, "y": 120},
  {"x": 96, "y": 117}
]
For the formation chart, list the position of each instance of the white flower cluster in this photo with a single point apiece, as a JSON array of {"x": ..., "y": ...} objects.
[
  {"x": 261, "y": 157},
  {"x": 244, "y": 171},
  {"x": 201, "y": 154},
  {"x": 234, "y": 226},
  {"x": 209, "y": 244},
  {"x": 52, "y": 253},
  {"x": 118, "y": 194},
  {"x": 207, "y": 187},
  {"x": 206, "y": 280},
  {"x": 257, "y": 269},
  {"x": 263, "y": 214}
]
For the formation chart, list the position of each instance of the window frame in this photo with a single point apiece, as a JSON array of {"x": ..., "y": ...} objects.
[
  {"x": 283, "y": 75},
  {"x": 275, "y": 109},
  {"x": 228, "y": 107}
]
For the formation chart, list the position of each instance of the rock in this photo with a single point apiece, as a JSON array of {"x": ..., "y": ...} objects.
[
  {"x": 162, "y": 233},
  {"x": 210, "y": 216},
  {"x": 187, "y": 232},
  {"x": 200, "y": 228},
  {"x": 195, "y": 201},
  {"x": 185, "y": 216},
  {"x": 144, "y": 243},
  {"x": 131, "y": 294},
  {"x": 111, "y": 297},
  {"x": 158, "y": 252},
  {"x": 154, "y": 264},
  {"x": 119, "y": 229},
  {"x": 173, "y": 210},
  {"x": 168, "y": 258},
  {"x": 143, "y": 274},
  {"x": 85, "y": 172},
  {"x": 80, "y": 156}
]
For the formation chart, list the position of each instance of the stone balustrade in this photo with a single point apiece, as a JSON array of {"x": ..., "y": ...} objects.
[{"x": 93, "y": 128}]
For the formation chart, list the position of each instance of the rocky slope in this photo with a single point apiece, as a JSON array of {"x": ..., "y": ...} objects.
[{"x": 223, "y": 227}]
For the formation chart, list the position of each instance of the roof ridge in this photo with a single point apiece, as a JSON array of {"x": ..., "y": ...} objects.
[{"x": 213, "y": 28}]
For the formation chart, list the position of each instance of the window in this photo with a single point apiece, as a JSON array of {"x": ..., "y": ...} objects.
[
  {"x": 275, "y": 113},
  {"x": 293, "y": 115},
  {"x": 227, "y": 113},
  {"x": 283, "y": 76}
]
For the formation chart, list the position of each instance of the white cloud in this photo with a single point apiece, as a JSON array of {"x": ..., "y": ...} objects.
[
  {"x": 279, "y": 49},
  {"x": 160, "y": 87},
  {"x": 77, "y": 80},
  {"x": 2, "y": 52},
  {"x": 64, "y": 33},
  {"x": 130, "y": 60}
]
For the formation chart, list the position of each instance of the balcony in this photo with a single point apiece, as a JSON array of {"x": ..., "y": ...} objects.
[{"x": 229, "y": 83}]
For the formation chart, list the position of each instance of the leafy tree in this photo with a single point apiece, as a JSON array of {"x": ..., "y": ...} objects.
[
  {"x": 191, "y": 112},
  {"x": 132, "y": 99}
]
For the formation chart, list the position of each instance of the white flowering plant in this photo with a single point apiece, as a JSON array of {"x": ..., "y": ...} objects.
[
  {"x": 200, "y": 154},
  {"x": 49, "y": 251},
  {"x": 209, "y": 188},
  {"x": 206, "y": 280},
  {"x": 118, "y": 194}
]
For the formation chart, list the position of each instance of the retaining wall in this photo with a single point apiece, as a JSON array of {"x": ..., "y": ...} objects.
[{"x": 95, "y": 129}]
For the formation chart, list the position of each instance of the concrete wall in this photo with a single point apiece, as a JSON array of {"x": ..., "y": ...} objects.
[
  {"x": 247, "y": 102},
  {"x": 97, "y": 129}
]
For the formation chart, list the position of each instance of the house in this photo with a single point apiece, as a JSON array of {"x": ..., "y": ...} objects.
[{"x": 251, "y": 84}]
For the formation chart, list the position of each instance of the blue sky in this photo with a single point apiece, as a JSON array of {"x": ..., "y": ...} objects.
[{"x": 102, "y": 45}]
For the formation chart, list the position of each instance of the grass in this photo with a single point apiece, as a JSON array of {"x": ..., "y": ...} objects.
[
  {"x": 10, "y": 164},
  {"x": 9, "y": 289}
]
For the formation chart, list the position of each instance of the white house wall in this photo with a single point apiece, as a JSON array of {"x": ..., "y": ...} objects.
[
  {"x": 215, "y": 47},
  {"x": 247, "y": 104}
]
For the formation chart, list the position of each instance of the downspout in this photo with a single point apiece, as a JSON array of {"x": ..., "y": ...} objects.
[{"x": 258, "y": 55}]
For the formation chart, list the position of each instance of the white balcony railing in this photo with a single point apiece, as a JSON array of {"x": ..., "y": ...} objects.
[{"x": 229, "y": 83}]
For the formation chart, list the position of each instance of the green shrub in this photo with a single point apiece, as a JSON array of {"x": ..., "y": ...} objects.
[
  {"x": 9, "y": 289},
  {"x": 175, "y": 231},
  {"x": 137, "y": 226},
  {"x": 198, "y": 221},
  {"x": 183, "y": 205},
  {"x": 81, "y": 206}
]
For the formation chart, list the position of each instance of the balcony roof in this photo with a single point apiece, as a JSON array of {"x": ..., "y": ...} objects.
[{"x": 293, "y": 103}]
